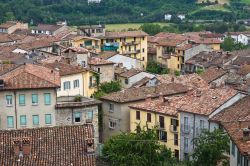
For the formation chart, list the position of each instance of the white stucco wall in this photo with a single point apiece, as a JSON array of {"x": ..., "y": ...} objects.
[{"x": 127, "y": 61}]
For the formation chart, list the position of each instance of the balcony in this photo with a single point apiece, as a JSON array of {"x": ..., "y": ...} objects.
[
  {"x": 130, "y": 43},
  {"x": 131, "y": 52},
  {"x": 173, "y": 129}
]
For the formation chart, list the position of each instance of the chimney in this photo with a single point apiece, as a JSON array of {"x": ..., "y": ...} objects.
[
  {"x": 21, "y": 146},
  {"x": 161, "y": 97},
  {"x": 26, "y": 146},
  {"x": 246, "y": 134}
]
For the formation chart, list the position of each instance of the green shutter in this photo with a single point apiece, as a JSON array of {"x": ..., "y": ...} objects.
[
  {"x": 21, "y": 99},
  {"x": 10, "y": 121},
  {"x": 23, "y": 120},
  {"x": 34, "y": 99},
  {"x": 48, "y": 119},
  {"x": 35, "y": 119},
  {"x": 47, "y": 99}
]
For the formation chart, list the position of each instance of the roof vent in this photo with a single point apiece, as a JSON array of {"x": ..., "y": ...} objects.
[{"x": 246, "y": 134}]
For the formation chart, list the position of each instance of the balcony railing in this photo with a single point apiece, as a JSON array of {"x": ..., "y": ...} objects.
[
  {"x": 173, "y": 129},
  {"x": 130, "y": 43}
]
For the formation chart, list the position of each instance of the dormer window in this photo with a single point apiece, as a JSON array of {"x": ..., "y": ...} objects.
[{"x": 22, "y": 146}]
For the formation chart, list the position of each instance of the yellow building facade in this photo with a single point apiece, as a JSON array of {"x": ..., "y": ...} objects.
[
  {"x": 167, "y": 127},
  {"x": 132, "y": 44},
  {"x": 90, "y": 43}
]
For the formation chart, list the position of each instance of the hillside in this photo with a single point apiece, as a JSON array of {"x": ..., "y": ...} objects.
[{"x": 78, "y": 12}]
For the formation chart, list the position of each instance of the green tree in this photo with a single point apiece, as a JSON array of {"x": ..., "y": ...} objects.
[
  {"x": 228, "y": 44},
  {"x": 106, "y": 88},
  {"x": 154, "y": 67},
  {"x": 151, "y": 29},
  {"x": 137, "y": 149},
  {"x": 210, "y": 147}
]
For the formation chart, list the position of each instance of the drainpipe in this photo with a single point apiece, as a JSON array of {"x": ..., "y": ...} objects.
[
  {"x": 194, "y": 131},
  {"x": 72, "y": 116},
  {"x": 15, "y": 108}
]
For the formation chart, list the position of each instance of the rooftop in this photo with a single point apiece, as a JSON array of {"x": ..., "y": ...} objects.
[
  {"x": 141, "y": 93},
  {"x": 98, "y": 61},
  {"x": 69, "y": 102},
  {"x": 106, "y": 54},
  {"x": 212, "y": 74},
  {"x": 7, "y": 24},
  {"x": 65, "y": 145},
  {"x": 130, "y": 73},
  {"x": 64, "y": 68},
  {"x": 205, "y": 102},
  {"x": 125, "y": 34},
  {"x": 29, "y": 76},
  {"x": 76, "y": 49},
  {"x": 47, "y": 27}
]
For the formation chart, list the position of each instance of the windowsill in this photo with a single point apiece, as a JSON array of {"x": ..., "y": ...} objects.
[
  {"x": 9, "y": 105},
  {"x": 48, "y": 124},
  {"x": 23, "y": 126},
  {"x": 34, "y": 104},
  {"x": 47, "y": 104},
  {"x": 22, "y": 105},
  {"x": 111, "y": 111},
  {"x": 36, "y": 125}
]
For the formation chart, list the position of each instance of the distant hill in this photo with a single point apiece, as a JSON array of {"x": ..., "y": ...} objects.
[{"x": 78, "y": 12}]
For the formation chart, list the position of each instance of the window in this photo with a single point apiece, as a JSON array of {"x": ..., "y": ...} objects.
[
  {"x": 47, "y": 98},
  {"x": 134, "y": 38},
  {"x": 112, "y": 124},
  {"x": 21, "y": 99},
  {"x": 143, "y": 50},
  {"x": 176, "y": 139},
  {"x": 47, "y": 118},
  {"x": 92, "y": 81},
  {"x": 185, "y": 144},
  {"x": 185, "y": 123},
  {"x": 34, "y": 99},
  {"x": 148, "y": 117},
  {"x": 77, "y": 116},
  {"x": 161, "y": 120},
  {"x": 186, "y": 157},
  {"x": 175, "y": 124},
  {"x": 35, "y": 119},
  {"x": 178, "y": 58},
  {"x": 143, "y": 38},
  {"x": 178, "y": 66},
  {"x": 90, "y": 115},
  {"x": 126, "y": 81},
  {"x": 76, "y": 84},
  {"x": 202, "y": 124},
  {"x": 138, "y": 115},
  {"x": 9, "y": 100},
  {"x": 111, "y": 107},
  {"x": 143, "y": 58},
  {"x": 176, "y": 154},
  {"x": 10, "y": 121},
  {"x": 233, "y": 149},
  {"x": 98, "y": 70},
  {"x": 66, "y": 85},
  {"x": 163, "y": 135},
  {"x": 23, "y": 120}
]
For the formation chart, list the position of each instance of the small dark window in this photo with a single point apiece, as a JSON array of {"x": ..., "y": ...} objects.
[
  {"x": 163, "y": 135},
  {"x": 186, "y": 157},
  {"x": 148, "y": 117},
  {"x": 138, "y": 115},
  {"x": 143, "y": 50},
  {"x": 161, "y": 120},
  {"x": 176, "y": 139},
  {"x": 176, "y": 154},
  {"x": 99, "y": 70},
  {"x": 126, "y": 81}
]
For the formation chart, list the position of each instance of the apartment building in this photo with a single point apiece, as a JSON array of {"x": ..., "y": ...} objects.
[
  {"x": 28, "y": 95},
  {"x": 130, "y": 43}
]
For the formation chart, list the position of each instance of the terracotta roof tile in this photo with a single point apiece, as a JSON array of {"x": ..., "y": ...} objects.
[
  {"x": 47, "y": 27},
  {"x": 125, "y": 34},
  {"x": 212, "y": 74},
  {"x": 76, "y": 49},
  {"x": 62, "y": 146},
  {"x": 205, "y": 102},
  {"x": 99, "y": 61},
  {"x": 141, "y": 93},
  {"x": 64, "y": 68},
  {"x": 106, "y": 54},
  {"x": 130, "y": 73},
  {"x": 29, "y": 76}
]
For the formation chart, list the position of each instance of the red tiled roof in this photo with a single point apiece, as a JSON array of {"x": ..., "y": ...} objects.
[
  {"x": 47, "y": 27},
  {"x": 212, "y": 74},
  {"x": 130, "y": 73},
  {"x": 141, "y": 93},
  {"x": 29, "y": 76},
  {"x": 64, "y": 146},
  {"x": 205, "y": 102},
  {"x": 125, "y": 34},
  {"x": 99, "y": 61},
  {"x": 64, "y": 68},
  {"x": 7, "y": 24},
  {"x": 76, "y": 49}
]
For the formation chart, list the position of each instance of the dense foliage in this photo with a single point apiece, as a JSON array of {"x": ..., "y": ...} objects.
[
  {"x": 106, "y": 88},
  {"x": 156, "y": 68},
  {"x": 218, "y": 27},
  {"x": 137, "y": 149},
  {"x": 210, "y": 148},
  {"x": 230, "y": 45},
  {"x": 78, "y": 12}
]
